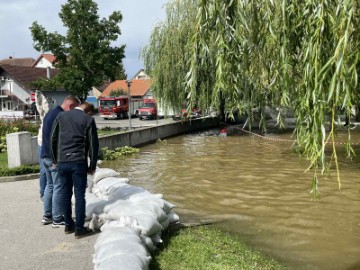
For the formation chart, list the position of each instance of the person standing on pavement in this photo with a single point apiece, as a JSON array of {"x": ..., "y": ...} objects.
[
  {"x": 42, "y": 107},
  {"x": 74, "y": 139},
  {"x": 52, "y": 208}
]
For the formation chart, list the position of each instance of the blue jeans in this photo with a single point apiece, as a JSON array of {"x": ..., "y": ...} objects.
[
  {"x": 42, "y": 174},
  {"x": 73, "y": 174},
  {"x": 52, "y": 195}
]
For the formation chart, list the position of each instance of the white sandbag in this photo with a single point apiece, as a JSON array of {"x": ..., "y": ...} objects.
[
  {"x": 165, "y": 223},
  {"x": 124, "y": 262},
  {"x": 146, "y": 222},
  {"x": 124, "y": 247},
  {"x": 150, "y": 207},
  {"x": 94, "y": 205},
  {"x": 126, "y": 205},
  {"x": 102, "y": 173},
  {"x": 154, "y": 203},
  {"x": 90, "y": 182},
  {"x": 173, "y": 218},
  {"x": 148, "y": 225},
  {"x": 108, "y": 184},
  {"x": 168, "y": 206},
  {"x": 156, "y": 238},
  {"x": 118, "y": 234},
  {"x": 126, "y": 191},
  {"x": 120, "y": 223},
  {"x": 95, "y": 223},
  {"x": 147, "y": 241},
  {"x": 140, "y": 196}
]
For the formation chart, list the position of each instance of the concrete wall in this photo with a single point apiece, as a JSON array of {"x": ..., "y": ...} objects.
[
  {"x": 22, "y": 148},
  {"x": 143, "y": 136}
]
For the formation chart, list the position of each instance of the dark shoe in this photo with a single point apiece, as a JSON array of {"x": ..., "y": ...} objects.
[
  {"x": 58, "y": 224},
  {"x": 46, "y": 220},
  {"x": 69, "y": 229},
  {"x": 83, "y": 232}
]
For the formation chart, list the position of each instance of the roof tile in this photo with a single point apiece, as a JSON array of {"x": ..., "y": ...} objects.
[{"x": 137, "y": 88}]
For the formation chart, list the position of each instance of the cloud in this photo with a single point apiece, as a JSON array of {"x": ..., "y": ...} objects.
[{"x": 139, "y": 17}]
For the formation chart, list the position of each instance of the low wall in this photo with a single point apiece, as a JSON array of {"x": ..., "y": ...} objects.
[
  {"x": 22, "y": 148},
  {"x": 143, "y": 136}
]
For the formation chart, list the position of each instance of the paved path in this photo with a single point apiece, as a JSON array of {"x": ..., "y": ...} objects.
[{"x": 27, "y": 244}]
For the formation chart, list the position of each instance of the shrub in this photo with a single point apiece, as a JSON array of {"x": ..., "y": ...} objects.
[
  {"x": 19, "y": 170},
  {"x": 106, "y": 154}
]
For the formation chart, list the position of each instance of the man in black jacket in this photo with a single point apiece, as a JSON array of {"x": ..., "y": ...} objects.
[{"x": 73, "y": 139}]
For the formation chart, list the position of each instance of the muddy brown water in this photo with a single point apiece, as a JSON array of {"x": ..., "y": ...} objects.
[{"x": 257, "y": 188}]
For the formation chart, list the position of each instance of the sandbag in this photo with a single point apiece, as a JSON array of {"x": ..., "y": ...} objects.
[
  {"x": 124, "y": 262},
  {"x": 118, "y": 234},
  {"x": 126, "y": 191},
  {"x": 108, "y": 184},
  {"x": 102, "y": 173}
]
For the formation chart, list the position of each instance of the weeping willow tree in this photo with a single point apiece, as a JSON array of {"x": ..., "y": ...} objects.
[
  {"x": 237, "y": 55},
  {"x": 167, "y": 56}
]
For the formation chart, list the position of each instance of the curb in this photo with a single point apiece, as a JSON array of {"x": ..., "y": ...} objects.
[{"x": 19, "y": 177}]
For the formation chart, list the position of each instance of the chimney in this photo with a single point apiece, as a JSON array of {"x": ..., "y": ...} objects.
[{"x": 48, "y": 73}]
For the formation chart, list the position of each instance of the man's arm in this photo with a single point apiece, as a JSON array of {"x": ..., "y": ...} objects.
[
  {"x": 93, "y": 147},
  {"x": 54, "y": 139}
]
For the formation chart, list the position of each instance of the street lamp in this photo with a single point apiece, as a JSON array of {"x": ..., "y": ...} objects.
[{"x": 129, "y": 97}]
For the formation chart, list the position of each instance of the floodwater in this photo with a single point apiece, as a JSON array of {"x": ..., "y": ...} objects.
[{"x": 256, "y": 187}]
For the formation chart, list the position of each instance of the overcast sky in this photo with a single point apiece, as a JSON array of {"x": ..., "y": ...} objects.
[{"x": 16, "y": 16}]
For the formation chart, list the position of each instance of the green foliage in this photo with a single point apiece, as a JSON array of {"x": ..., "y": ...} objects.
[
  {"x": 206, "y": 247},
  {"x": 166, "y": 58},
  {"x": 86, "y": 55},
  {"x": 241, "y": 55},
  {"x": 17, "y": 125},
  {"x": 119, "y": 92},
  {"x": 107, "y": 154},
  {"x": 19, "y": 170},
  {"x": 12, "y": 126},
  {"x": 161, "y": 141}
]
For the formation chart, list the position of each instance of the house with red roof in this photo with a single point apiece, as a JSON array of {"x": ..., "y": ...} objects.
[
  {"x": 45, "y": 60},
  {"x": 138, "y": 88},
  {"x": 16, "y": 90}
]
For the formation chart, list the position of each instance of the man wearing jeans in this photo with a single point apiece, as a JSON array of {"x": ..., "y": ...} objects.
[
  {"x": 52, "y": 211},
  {"x": 74, "y": 139}
]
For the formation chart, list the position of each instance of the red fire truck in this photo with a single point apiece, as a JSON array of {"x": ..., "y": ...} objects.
[
  {"x": 148, "y": 110},
  {"x": 114, "y": 107}
]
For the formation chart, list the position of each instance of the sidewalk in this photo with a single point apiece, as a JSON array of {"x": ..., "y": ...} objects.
[{"x": 27, "y": 244}]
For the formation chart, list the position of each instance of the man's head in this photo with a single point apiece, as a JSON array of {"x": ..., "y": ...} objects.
[
  {"x": 70, "y": 103},
  {"x": 88, "y": 108}
]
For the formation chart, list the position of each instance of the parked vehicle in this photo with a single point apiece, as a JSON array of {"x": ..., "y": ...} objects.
[
  {"x": 183, "y": 114},
  {"x": 30, "y": 112},
  {"x": 148, "y": 110},
  {"x": 113, "y": 107},
  {"x": 135, "y": 105}
]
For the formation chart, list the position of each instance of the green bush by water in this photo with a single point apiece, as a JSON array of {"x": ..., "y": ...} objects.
[{"x": 106, "y": 154}]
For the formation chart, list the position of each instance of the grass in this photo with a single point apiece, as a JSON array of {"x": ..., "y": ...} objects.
[
  {"x": 109, "y": 131},
  {"x": 207, "y": 247}
]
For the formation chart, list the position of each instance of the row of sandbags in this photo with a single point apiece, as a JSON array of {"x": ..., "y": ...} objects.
[{"x": 130, "y": 218}]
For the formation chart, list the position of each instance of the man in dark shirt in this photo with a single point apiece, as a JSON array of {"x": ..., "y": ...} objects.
[
  {"x": 74, "y": 139},
  {"x": 52, "y": 210}
]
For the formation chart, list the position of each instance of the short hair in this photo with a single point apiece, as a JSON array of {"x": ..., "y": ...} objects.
[
  {"x": 88, "y": 108},
  {"x": 72, "y": 99}
]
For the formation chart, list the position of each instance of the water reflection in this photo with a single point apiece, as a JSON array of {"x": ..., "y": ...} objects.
[{"x": 258, "y": 189}]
